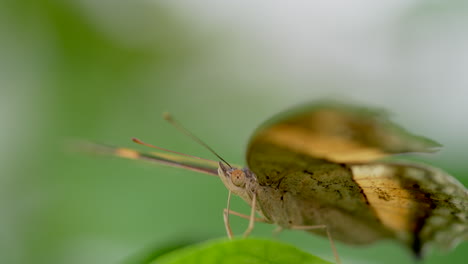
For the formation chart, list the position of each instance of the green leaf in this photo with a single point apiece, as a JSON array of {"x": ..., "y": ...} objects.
[{"x": 252, "y": 251}]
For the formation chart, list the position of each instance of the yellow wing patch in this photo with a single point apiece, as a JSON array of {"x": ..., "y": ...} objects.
[
  {"x": 330, "y": 147},
  {"x": 392, "y": 203},
  {"x": 341, "y": 133}
]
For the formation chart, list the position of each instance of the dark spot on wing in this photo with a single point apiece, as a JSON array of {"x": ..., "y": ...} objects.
[
  {"x": 417, "y": 248},
  {"x": 279, "y": 182},
  {"x": 423, "y": 210},
  {"x": 308, "y": 172},
  {"x": 382, "y": 194},
  {"x": 339, "y": 194}
]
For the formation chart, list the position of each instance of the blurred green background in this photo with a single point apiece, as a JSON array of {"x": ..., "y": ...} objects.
[{"x": 106, "y": 70}]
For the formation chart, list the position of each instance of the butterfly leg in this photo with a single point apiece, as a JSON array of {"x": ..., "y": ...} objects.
[
  {"x": 257, "y": 219},
  {"x": 335, "y": 252},
  {"x": 252, "y": 216},
  {"x": 226, "y": 217}
]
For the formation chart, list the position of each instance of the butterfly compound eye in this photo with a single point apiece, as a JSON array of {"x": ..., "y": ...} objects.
[{"x": 238, "y": 177}]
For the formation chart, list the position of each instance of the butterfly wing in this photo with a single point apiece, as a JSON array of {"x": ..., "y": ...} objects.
[
  {"x": 421, "y": 204},
  {"x": 313, "y": 192},
  {"x": 321, "y": 156},
  {"x": 340, "y": 133}
]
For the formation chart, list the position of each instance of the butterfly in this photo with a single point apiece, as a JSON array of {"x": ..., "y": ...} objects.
[{"x": 327, "y": 168}]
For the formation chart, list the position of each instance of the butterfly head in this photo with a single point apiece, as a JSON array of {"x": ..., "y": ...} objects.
[{"x": 236, "y": 180}]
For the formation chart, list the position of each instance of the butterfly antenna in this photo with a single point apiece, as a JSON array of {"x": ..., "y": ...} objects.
[
  {"x": 136, "y": 140},
  {"x": 177, "y": 125}
]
